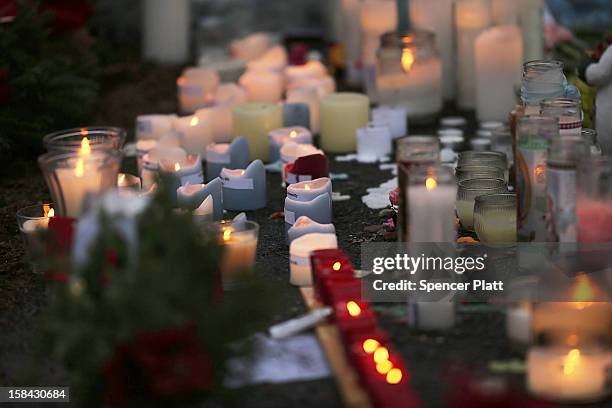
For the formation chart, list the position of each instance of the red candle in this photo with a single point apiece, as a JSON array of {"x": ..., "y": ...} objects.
[
  {"x": 354, "y": 316},
  {"x": 333, "y": 291},
  {"x": 361, "y": 347},
  {"x": 306, "y": 168}
]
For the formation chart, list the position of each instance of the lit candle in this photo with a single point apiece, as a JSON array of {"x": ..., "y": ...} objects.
[
  {"x": 296, "y": 114},
  {"x": 309, "y": 96},
  {"x": 289, "y": 153},
  {"x": 30, "y": 224},
  {"x": 278, "y": 137},
  {"x": 299, "y": 254},
  {"x": 196, "y": 133},
  {"x": 233, "y": 155},
  {"x": 239, "y": 241},
  {"x": 153, "y": 126},
  {"x": 394, "y": 117},
  {"x": 304, "y": 225},
  {"x": 180, "y": 174},
  {"x": 196, "y": 88},
  {"x": 353, "y": 317},
  {"x": 274, "y": 60},
  {"x": 499, "y": 54},
  {"x": 262, "y": 86},
  {"x": 191, "y": 196},
  {"x": 299, "y": 202},
  {"x": 151, "y": 160},
  {"x": 254, "y": 121},
  {"x": 341, "y": 115},
  {"x": 128, "y": 182},
  {"x": 244, "y": 189},
  {"x": 250, "y": 47},
  {"x": 373, "y": 142}
]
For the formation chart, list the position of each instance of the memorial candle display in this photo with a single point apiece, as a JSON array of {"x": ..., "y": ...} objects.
[
  {"x": 341, "y": 115},
  {"x": 278, "y": 137},
  {"x": 233, "y": 155},
  {"x": 254, "y": 121},
  {"x": 299, "y": 255},
  {"x": 244, "y": 189},
  {"x": 191, "y": 196}
]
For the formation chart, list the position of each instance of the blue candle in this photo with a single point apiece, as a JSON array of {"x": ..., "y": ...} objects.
[
  {"x": 296, "y": 114},
  {"x": 244, "y": 190},
  {"x": 191, "y": 196},
  {"x": 233, "y": 155},
  {"x": 304, "y": 225}
]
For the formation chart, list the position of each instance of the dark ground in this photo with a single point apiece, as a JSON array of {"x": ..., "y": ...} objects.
[{"x": 434, "y": 361}]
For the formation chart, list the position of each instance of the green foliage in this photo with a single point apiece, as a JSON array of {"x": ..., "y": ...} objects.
[{"x": 52, "y": 80}]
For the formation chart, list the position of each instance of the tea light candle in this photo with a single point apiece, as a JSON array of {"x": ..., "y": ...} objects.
[
  {"x": 309, "y": 96},
  {"x": 128, "y": 182},
  {"x": 318, "y": 209},
  {"x": 192, "y": 196},
  {"x": 196, "y": 88},
  {"x": 182, "y": 173},
  {"x": 341, "y": 115},
  {"x": 150, "y": 162},
  {"x": 309, "y": 190},
  {"x": 274, "y": 60},
  {"x": 36, "y": 224},
  {"x": 250, "y": 47},
  {"x": 262, "y": 86},
  {"x": 233, "y": 155},
  {"x": 299, "y": 255},
  {"x": 373, "y": 142},
  {"x": 239, "y": 241},
  {"x": 395, "y": 119},
  {"x": 153, "y": 126},
  {"x": 244, "y": 189},
  {"x": 196, "y": 133},
  {"x": 296, "y": 114},
  {"x": 304, "y": 225},
  {"x": 434, "y": 315},
  {"x": 564, "y": 374},
  {"x": 254, "y": 121},
  {"x": 278, "y": 137}
]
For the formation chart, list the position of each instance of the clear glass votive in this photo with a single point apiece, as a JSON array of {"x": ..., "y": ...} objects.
[
  {"x": 71, "y": 177},
  {"x": 71, "y": 140},
  {"x": 239, "y": 242},
  {"x": 467, "y": 171},
  {"x": 32, "y": 221},
  {"x": 590, "y": 135},
  {"x": 568, "y": 111},
  {"x": 467, "y": 193},
  {"x": 495, "y": 219},
  {"x": 486, "y": 158}
]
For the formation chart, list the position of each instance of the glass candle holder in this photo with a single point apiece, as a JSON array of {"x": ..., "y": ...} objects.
[
  {"x": 409, "y": 74},
  {"x": 32, "y": 221},
  {"x": 71, "y": 140},
  {"x": 590, "y": 135},
  {"x": 239, "y": 242},
  {"x": 71, "y": 177},
  {"x": 594, "y": 200},
  {"x": 495, "y": 219},
  {"x": 467, "y": 193},
  {"x": 568, "y": 111},
  {"x": 466, "y": 172},
  {"x": 542, "y": 79}
]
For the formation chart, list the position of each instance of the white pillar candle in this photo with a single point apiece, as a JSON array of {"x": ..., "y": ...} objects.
[
  {"x": 299, "y": 255},
  {"x": 274, "y": 59},
  {"x": 191, "y": 196},
  {"x": 153, "y": 126},
  {"x": 564, "y": 374},
  {"x": 341, "y": 115},
  {"x": 165, "y": 33},
  {"x": 233, "y": 155},
  {"x": 309, "y": 96},
  {"x": 309, "y": 190},
  {"x": 278, "y": 137},
  {"x": 244, "y": 189},
  {"x": 318, "y": 209},
  {"x": 395, "y": 118},
  {"x": 250, "y": 47},
  {"x": 499, "y": 54},
  {"x": 196, "y": 133},
  {"x": 254, "y": 121},
  {"x": 81, "y": 176},
  {"x": 196, "y": 88},
  {"x": 437, "y": 16},
  {"x": 373, "y": 142},
  {"x": 305, "y": 225},
  {"x": 531, "y": 17},
  {"x": 291, "y": 151},
  {"x": 471, "y": 18},
  {"x": 518, "y": 323},
  {"x": 433, "y": 315},
  {"x": 262, "y": 86}
]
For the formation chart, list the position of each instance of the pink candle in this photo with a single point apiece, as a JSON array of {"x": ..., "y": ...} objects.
[{"x": 594, "y": 220}]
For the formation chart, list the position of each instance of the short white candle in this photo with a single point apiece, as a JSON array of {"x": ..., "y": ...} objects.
[
  {"x": 151, "y": 160},
  {"x": 305, "y": 225},
  {"x": 233, "y": 155},
  {"x": 373, "y": 142},
  {"x": 204, "y": 212},
  {"x": 299, "y": 253},
  {"x": 318, "y": 209},
  {"x": 278, "y": 137},
  {"x": 196, "y": 133},
  {"x": 291, "y": 151},
  {"x": 309, "y": 190},
  {"x": 262, "y": 86},
  {"x": 394, "y": 117},
  {"x": 182, "y": 173},
  {"x": 244, "y": 189},
  {"x": 191, "y": 196}
]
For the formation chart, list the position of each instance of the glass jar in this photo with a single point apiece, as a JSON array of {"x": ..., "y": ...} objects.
[
  {"x": 542, "y": 79},
  {"x": 568, "y": 112},
  {"x": 590, "y": 135},
  {"x": 487, "y": 158},
  {"x": 71, "y": 140},
  {"x": 467, "y": 193},
  {"x": 594, "y": 200},
  {"x": 466, "y": 172},
  {"x": 409, "y": 74},
  {"x": 495, "y": 219},
  {"x": 33, "y": 221}
]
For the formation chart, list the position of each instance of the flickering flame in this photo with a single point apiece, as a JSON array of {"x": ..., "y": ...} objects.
[
  {"x": 177, "y": 166},
  {"x": 121, "y": 179},
  {"x": 194, "y": 121},
  {"x": 571, "y": 361},
  {"x": 583, "y": 292},
  {"x": 50, "y": 214},
  {"x": 370, "y": 345},
  {"x": 306, "y": 187},
  {"x": 394, "y": 376},
  {"x": 48, "y": 211},
  {"x": 227, "y": 234},
  {"x": 241, "y": 172},
  {"x": 293, "y": 134},
  {"x": 384, "y": 367},
  {"x": 336, "y": 266},
  {"x": 353, "y": 308},
  {"x": 381, "y": 354},
  {"x": 430, "y": 183},
  {"x": 407, "y": 59},
  {"x": 85, "y": 147}
]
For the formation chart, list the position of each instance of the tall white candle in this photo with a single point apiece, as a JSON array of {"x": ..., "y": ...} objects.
[
  {"x": 531, "y": 17},
  {"x": 299, "y": 254},
  {"x": 305, "y": 225},
  {"x": 165, "y": 34}
]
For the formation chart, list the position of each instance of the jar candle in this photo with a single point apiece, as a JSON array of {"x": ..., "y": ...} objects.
[
  {"x": 305, "y": 225},
  {"x": 341, "y": 115},
  {"x": 191, "y": 196},
  {"x": 451, "y": 144},
  {"x": 310, "y": 96},
  {"x": 262, "y": 86},
  {"x": 468, "y": 191},
  {"x": 239, "y": 250},
  {"x": 354, "y": 316},
  {"x": 373, "y": 142},
  {"x": 593, "y": 209},
  {"x": 487, "y": 158},
  {"x": 299, "y": 255},
  {"x": 465, "y": 172},
  {"x": 32, "y": 220},
  {"x": 480, "y": 144},
  {"x": 498, "y": 54},
  {"x": 153, "y": 126},
  {"x": 567, "y": 111},
  {"x": 72, "y": 140},
  {"x": 495, "y": 219},
  {"x": 471, "y": 18},
  {"x": 278, "y": 137},
  {"x": 296, "y": 114},
  {"x": 409, "y": 74},
  {"x": 127, "y": 182},
  {"x": 195, "y": 133},
  {"x": 196, "y": 88},
  {"x": 394, "y": 117},
  {"x": 254, "y": 121},
  {"x": 543, "y": 79},
  {"x": 244, "y": 189},
  {"x": 233, "y": 155}
]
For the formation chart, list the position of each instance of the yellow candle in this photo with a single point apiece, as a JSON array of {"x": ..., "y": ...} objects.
[
  {"x": 254, "y": 121},
  {"x": 341, "y": 114}
]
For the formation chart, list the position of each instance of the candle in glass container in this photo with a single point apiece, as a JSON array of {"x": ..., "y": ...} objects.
[
  {"x": 299, "y": 255},
  {"x": 495, "y": 219},
  {"x": 239, "y": 244},
  {"x": 244, "y": 189},
  {"x": 309, "y": 96},
  {"x": 593, "y": 209},
  {"x": 499, "y": 55},
  {"x": 31, "y": 221},
  {"x": 278, "y": 137},
  {"x": 471, "y": 18},
  {"x": 196, "y": 133},
  {"x": 254, "y": 121},
  {"x": 196, "y": 88},
  {"x": 468, "y": 191},
  {"x": 233, "y": 155},
  {"x": 262, "y": 86},
  {"x": 341, "y": 115}
]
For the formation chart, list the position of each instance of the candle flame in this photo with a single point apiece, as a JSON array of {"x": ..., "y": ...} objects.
[
  {"x": 177, "y": 166},
  {"x": 353, "y": 308},
  {"x": 306, "y": 187},
  {"x": 583, "y": 292},
  {"x": 571, "y": 361},
  {"x": 50, "y": 214},
  {"x": 381, "y": 354},
  {"x": 293, "y": 134},
  {"x": 407, "y": 59},
  {"x": 430, "y": 183},
  {"x": 48, "y": 211},
  {"x": 370, "y": 345},
  {"x": 85, "y": 147},
  {"x": 194, "y": 121},
  {"x": 394, "y": 376},
  {"x": 227, "y": 234},
  {"x": 121, "y": 179},
  {"x": 241, "y": 172},
  {"x": 336, "y": 266},
  {"x": 384, "y": 367},
  {"x": 84, "y": 132},
  {"x": 79, "y": 169}
]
